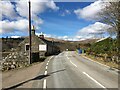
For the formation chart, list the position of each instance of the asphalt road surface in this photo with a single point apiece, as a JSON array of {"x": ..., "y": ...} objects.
[{"x": 70, "y": 70}]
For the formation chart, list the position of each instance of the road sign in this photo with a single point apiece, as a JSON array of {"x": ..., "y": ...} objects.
[{"x": 42, "y": 47}]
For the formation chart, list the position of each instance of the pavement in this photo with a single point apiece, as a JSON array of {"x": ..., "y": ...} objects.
[
  {"x": 18, "y": 77},
  {"x": 70, "y": 70}
]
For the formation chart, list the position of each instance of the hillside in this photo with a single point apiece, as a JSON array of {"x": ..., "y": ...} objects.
[
  {"x": 54, "y": 39},
  {"x": 105, "y": 49},
  {"x": 105, "y": 46},
  {"x": 9, "y": 43},
  {"x": 88, "y": 41}
]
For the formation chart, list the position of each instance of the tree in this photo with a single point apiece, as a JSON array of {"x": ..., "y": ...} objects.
[{"x": 111, "y": 15}]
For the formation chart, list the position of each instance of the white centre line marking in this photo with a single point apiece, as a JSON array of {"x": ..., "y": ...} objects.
[
  {"x": 45, "y": 81},
  {"x": 51, "y": 57},
  {"x": 73, "y": 63},
  {"x": 94, "y": 80},
  {"x": 45, "y": 73},
  {"x": 46, "y": 67},
  {"x": 67, "y": 57},
  {"x": 47, "y": 64},
  {"x": 44, "y": 84}
]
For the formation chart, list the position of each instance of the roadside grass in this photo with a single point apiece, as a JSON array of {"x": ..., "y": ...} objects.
[{"x": 102, "y": 61}]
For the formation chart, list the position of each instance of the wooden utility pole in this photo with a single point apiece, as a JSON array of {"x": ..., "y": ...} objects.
[{"x": 30, "y": 33}]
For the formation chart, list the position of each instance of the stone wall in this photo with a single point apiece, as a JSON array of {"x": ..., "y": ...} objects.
[{"x": 15, "y": 60}]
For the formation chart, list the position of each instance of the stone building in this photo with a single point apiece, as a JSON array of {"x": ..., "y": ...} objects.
[
  {"x": 36, "y": 44},
  {"x": 19, "y": 57},
  {"x": 40, "y": 47}
]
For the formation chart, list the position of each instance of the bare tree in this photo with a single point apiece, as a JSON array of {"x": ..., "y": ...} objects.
[{"x": 111, "y": 16}]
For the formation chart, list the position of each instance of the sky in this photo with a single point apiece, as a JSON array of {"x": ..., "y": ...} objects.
[{"x": 63, "y": 20}]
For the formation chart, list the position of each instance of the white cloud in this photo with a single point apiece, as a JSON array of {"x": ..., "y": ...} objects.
[
  {"x": 15, "y": 36},
  {"x": 22, "y": 8},
  {"x": 91, "y": 30},
  {"x": 88, "y": 32},
  {"x": 7, "y": 9},
  {"x": 65, "y": 12},
  {"x": 37, "y": 7},
  {"x": 18, "y": 11},
  {"x": 52, "y": 5},
  {"x": 8, "y": 27},
  {"x": 91, "y": 12},
  {"x": 63, "y": 37}
]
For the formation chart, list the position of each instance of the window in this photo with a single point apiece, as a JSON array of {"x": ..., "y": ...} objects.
[{"x": 27, "y": 47}]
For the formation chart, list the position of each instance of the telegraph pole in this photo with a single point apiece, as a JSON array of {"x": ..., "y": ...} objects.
[{"x": 29, "y": 32}]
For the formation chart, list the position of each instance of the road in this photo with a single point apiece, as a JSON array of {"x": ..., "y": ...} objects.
[{"x": 70, "y": 70}]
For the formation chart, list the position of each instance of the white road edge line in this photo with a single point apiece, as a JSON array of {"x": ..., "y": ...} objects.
[
  {"x": 95, "y": 61},
  {"x": 73, "y": 63},
  {"x": 44, "y": 84},
  {"x": 94, "y": 80},
  {"x": 45, "y": 73},
  {"x": 101, "y": 64}
]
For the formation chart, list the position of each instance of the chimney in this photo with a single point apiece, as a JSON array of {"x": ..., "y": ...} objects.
[
  {"x": 41, "y": 36},
  {"x": 33, "y": 30}
]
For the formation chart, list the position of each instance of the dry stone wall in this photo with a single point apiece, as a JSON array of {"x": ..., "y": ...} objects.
[{"x": 15, "y": 60}]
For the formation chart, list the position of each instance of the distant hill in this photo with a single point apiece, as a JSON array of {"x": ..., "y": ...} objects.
[
  {"x": 8, "y": 43},
  {"x": 82, "y": 41},
  {"x": 54, "y": 39},
  {"x": 72, "y": 45},
  {"x": 88, "y": 41}
]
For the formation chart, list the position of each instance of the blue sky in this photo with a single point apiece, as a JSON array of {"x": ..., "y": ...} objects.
[
  {"x": 56, "y": 24},
  {"x": 64, "y": 20}
]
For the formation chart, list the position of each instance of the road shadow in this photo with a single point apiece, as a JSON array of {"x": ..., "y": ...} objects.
[
  {"x": 56, "y": 71},
  {"x": 36, "y": 78}
]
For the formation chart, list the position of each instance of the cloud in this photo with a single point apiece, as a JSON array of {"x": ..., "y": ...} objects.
[
  {"x": 37, "y": 7},
  {"x": 15, "y": 36},
  {"x": 11, "y": 26},
  {"x": 66, "y": 12},
  {"x": 7, "y": 9},
  {"x": 52, "y": 5},
  {"x": 90, "y": 31},
  {"x": 92, "y": 11},
  {"x": 16, "y": 14},
  {"x": 46, "y": 35}
]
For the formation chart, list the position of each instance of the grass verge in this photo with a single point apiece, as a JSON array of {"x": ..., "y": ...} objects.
[{"x": 102, "y": 61}]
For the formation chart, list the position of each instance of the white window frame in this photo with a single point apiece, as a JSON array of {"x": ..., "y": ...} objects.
[{"x": 25, "y": 46}]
